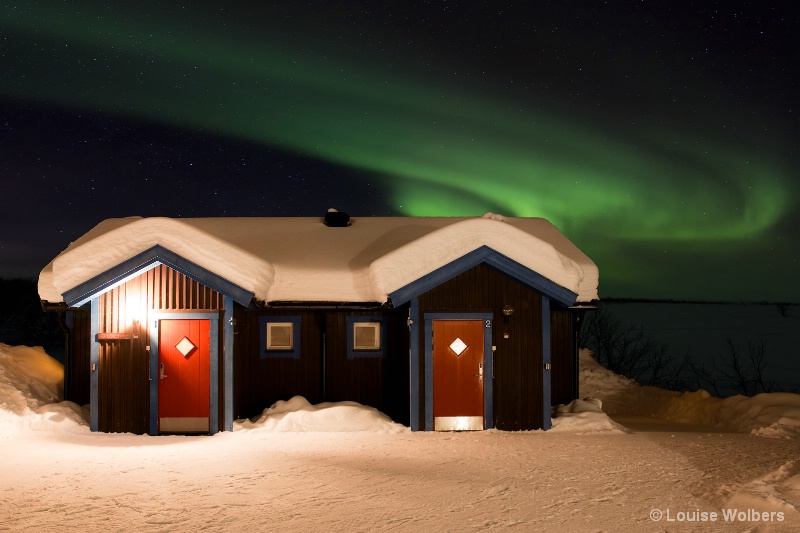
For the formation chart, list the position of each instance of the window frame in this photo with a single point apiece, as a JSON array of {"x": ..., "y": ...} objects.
[
  {"x": 279, "y": 353},
  {"x": 350, "y": 323}
]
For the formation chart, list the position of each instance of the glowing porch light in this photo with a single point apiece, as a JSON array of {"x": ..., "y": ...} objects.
[{"x": 133, "y": 308}]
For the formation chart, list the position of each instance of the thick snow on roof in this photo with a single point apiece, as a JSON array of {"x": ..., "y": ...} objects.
[{"x": 301, "y": 259}]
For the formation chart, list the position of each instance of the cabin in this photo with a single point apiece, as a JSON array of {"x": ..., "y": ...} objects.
[{"x": 183, "y": 325}]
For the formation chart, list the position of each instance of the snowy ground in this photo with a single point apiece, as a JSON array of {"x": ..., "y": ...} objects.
[{"x": 342, "y": 467}]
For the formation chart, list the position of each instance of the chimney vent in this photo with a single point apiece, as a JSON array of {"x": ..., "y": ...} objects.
[{"x": 336, "y": 219}]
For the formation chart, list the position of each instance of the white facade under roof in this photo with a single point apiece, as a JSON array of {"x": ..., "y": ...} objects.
[{"x": 302, "y": 259}]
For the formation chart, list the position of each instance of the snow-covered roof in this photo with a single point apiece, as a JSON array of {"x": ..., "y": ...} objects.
[{"x": 302, "y": 259}]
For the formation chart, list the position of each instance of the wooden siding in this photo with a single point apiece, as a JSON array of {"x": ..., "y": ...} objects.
[
  {"x": 78, "y": 357},
  {"x": 259, "y": 382},
  {"x": 396, "y": 398},
  {"x": 357, "y": 380},
  {"x": 518, "y": 362},
  {"x": 124, "y": 384},
  {"x": 322, "y": 372},
  {"x": 170, "y": 290},
  {"x": 381, "y": 382},
  {"x": 564, "y": 373}
]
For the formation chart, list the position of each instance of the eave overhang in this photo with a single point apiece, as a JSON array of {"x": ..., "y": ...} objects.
[
  {"x": 486, "y": 255},
  {"x": 147, "y": 260}
]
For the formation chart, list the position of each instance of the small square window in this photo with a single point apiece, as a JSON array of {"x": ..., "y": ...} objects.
[
  {"x": 366, "y": 335},
  {"x": 280, "y": 336}
]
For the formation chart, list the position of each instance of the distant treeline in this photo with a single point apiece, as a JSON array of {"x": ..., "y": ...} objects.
[
  {"x": 738, "y": 364},
  {"x": 22, "y": 321},
  {"x": 615, "y": 300}
]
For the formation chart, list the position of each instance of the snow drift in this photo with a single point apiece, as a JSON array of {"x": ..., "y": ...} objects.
[
  {"x": 297, "y": 414},
  {"x": 768, "y": 414},
  {"x": 31, "y": 390},
  {"x": 31, "y": 393},
  {"x": 583, "y": 416}
]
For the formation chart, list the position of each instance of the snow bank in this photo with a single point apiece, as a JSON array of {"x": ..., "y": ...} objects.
[
  {"x": 583, "y": 416},
  {"x": 772, "y": 414},
  {"x": 29, "y": 378},
  {"x": 31, "y": 389},
  {"x": 768, "y": 414},
  {"x": 298, "y": 415},
  {"x": 777, "y": 491}
]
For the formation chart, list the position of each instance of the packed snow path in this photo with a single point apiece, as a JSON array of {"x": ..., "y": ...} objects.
[
  {"x": 345, "y": 467},
  {"x": 267, "y": 481}
]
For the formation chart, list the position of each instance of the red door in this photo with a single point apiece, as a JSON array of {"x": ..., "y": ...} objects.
[
  {"x": 458, "y": 374},
  {"x": 183, "y": 376}
]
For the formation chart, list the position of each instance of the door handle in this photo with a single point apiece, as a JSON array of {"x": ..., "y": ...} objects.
[
  {"x": 480, "y": 370},
  {"x": 161, "y": 373}
]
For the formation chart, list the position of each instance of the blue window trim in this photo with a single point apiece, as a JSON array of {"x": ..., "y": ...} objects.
[
  {"x": 357, "y": 354},
  {"x": 484, "y": 254},
  {"x": 488, "y": 364},
  {"x": 294, "y": 353}
]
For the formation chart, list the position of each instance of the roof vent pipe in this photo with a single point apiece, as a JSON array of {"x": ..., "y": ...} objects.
[{"x": 336, "y": 219}]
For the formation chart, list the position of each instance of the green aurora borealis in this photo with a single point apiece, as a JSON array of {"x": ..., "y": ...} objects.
[{"x": 649, "y": 196}]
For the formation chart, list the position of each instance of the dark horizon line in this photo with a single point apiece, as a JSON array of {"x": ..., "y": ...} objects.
[{"x": 623, "y": 299}]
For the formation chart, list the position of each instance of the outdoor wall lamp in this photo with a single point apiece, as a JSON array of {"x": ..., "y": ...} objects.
[{"x": 507, "y": 312}]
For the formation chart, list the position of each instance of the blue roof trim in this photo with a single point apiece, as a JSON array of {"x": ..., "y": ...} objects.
[
  {"x": 484, "y": 254},
  {"x": 151, "y": 258}
]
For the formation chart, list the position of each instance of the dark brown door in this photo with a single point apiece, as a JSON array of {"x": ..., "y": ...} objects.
[{"x": 458, "y": 374}]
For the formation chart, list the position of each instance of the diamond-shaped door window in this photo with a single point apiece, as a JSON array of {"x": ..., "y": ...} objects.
[
  {"x": 186, "y": 347},
  {"x": 458, "y": 346}
]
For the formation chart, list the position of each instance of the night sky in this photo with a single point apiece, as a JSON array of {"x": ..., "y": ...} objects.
[{"x": 661, "y": 137}]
